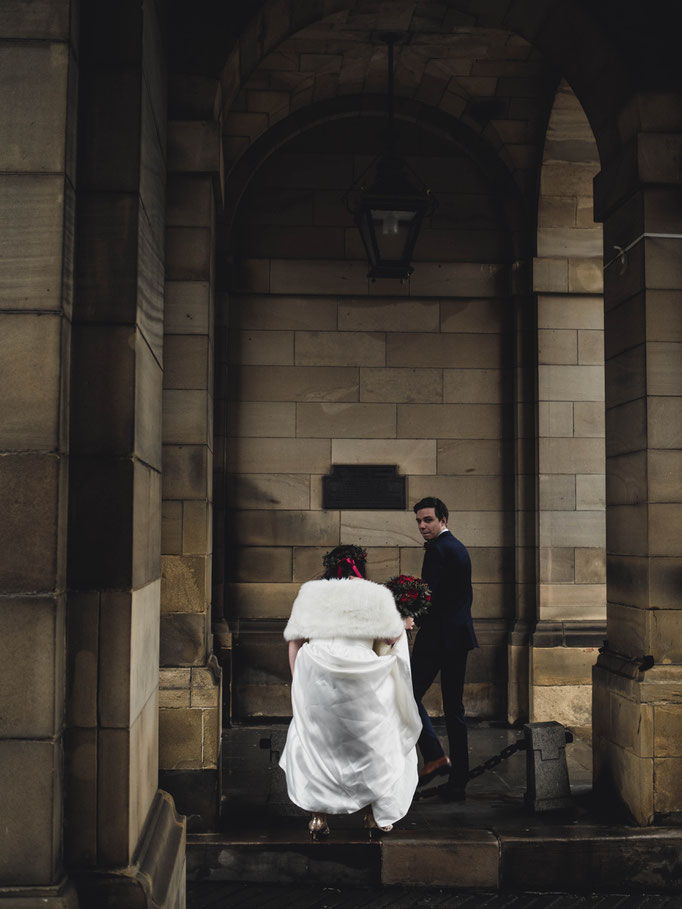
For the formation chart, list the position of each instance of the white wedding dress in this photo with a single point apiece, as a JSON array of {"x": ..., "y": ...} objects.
[{"x": 351, "y": 742}]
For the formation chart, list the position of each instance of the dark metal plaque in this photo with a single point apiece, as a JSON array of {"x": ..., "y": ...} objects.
[{"x": 368, "y": 486}]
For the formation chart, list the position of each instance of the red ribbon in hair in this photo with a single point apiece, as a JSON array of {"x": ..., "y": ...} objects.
[{"x": 351, "y": 562}]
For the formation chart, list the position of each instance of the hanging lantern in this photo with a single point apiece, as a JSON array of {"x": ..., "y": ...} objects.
[{"x": 389, "y": 203}]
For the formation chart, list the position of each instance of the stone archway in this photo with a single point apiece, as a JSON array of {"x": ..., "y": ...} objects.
[
  {"x": 327, "y": 367},
  {"x": 567, "y": 278}
]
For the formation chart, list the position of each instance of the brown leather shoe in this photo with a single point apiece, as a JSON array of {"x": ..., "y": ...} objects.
[{"x": 432, "y": 769}]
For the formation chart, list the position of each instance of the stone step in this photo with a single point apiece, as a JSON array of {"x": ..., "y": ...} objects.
[{"x": 562, "y": 859}]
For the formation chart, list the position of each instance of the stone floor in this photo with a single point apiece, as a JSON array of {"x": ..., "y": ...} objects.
[
  {"x": 275, "y": 896},
  {"x": 490, "y": 844}
]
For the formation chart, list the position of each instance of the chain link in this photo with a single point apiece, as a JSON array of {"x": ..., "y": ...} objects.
[{"x": 497, "y": 758}]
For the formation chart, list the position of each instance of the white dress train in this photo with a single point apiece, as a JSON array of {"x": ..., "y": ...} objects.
[{"x": 351, "y": 742}]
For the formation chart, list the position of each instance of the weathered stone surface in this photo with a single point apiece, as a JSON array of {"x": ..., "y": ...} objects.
[
  {"x": 465, "y": 493},
  {"x": 584, "y": 456},
  {"x": 480, "y": 351},
  {"x": 129, "y": 626},
  {"x": 257, "y": 600},
  {"x": 314, "y": 348},
  {"x": 35, "y": 78},
  {"x": 572, "y": 528},
  {"x": 550, "y": 275},
  {"x": 288, "y": 528},
  {"x": 146, "y": 530},
  {"x": 180, "y": 739},
  {"x": 186, "y": 416},
  {"x": 184, "y": 583},
  {"x": 555, "y": 418},
  {"x": 265, "y": 563},
  {"x": 262, "y": 348},
  {"x": 557, "y": 492},
  {"x": 590, "y": 566},
  {"x": 127, "y": 760},
  {"x": 30, "y": 792},
  {"x": 280, "y": 455},
  {"x": 197, "y": 527},
  {"x": 44, "y": 19},
  {"x": 557, "y": 564},
  {"x": 588, "y": 419},
  {"x": 341, "y": 420},
  {"x": 171, "y": 528},
  {"x": 453, "y": 421},
  {"x": 30, "y": 493},
  {"x": 295, "y": 276},
  {"x": 31, "y": 243},
  {"x": 388, "y": 314},
  {"x": 187, "y": 309},
  {"x": 571, "y": 383},
  {"x": 589, "y": 492},
  {"x": 31, "y": 357},
  {"x": 417, "y": 456},
  {"x": 476, "y": 456},
  {"x": 557, "y": 346},
  {"x": 183, "y": 639},
  {"x": 32, "y": 634},
  {"x": 476, "y": 386},
  {"x": 308, "y": 313},
  {"x": 470, "y": 861},
  {"x": 262, "y": 419},
  {"x": 668, "y": 773},
  {"x": 185, "y": 472},
  {"x": 406, "y": 384},
  {"x": 259, "y": 491},
  {"x": 570, "y": 312},
  {"x": 556, "y": 666},
  {"x": 297, "y": 383},
  {"x": 186, "y": 362}
]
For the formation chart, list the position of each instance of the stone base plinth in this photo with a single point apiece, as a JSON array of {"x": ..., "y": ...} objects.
[
  {"x": 637, "y": 737},
  {"x": 61, "y": 896},
  {"x": 156, "y": 879}
]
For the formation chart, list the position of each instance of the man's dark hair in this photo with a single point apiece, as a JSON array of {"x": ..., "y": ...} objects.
[{"x": 440, "y": 508}]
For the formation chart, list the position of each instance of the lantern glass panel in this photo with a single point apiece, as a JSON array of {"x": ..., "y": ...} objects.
[{"x": 391, "y": 230}]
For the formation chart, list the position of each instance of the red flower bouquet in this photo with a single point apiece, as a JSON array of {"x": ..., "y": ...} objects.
[{"x": 412, "y": 595}]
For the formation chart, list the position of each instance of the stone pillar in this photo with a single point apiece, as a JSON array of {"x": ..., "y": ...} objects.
[
  {"x": 124, "y": 841},
  {"x": 637, "y": 713},
  {"x": 525, "y": 498},
  {"x": 190, "y": 714},
  {"x": 570, "y": 390},
  {"x": 39, "y": 79}
]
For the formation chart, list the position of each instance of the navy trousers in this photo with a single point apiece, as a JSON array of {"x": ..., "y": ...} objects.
[{"x": 429, "y": 657}]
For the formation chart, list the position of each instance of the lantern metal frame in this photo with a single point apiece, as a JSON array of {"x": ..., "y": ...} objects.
[{"x": 387, "y": 195}]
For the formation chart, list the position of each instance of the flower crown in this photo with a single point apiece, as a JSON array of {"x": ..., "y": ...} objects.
[
  {"x": 331, "y": 559},
  {"x": 412, "y": 595}
]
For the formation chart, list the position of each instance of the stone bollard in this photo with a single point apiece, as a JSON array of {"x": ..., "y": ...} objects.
[{"x": 547, "y": 782}]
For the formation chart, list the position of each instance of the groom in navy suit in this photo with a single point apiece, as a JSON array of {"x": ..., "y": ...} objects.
[{"x": 445, "y": 637}]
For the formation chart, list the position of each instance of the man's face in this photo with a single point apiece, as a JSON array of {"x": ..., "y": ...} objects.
[{"x": 429, "y": 525}]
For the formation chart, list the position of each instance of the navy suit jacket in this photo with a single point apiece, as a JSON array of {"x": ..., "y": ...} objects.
[{"x": 447, "y": 571}]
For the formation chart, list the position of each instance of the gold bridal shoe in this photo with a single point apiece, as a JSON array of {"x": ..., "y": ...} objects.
[
  {"x": 318, "y": 826},
  {"x": 371, "y": 824}
]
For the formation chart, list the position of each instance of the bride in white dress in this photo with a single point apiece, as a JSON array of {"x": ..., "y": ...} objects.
[{"x": 351, "y": 742}]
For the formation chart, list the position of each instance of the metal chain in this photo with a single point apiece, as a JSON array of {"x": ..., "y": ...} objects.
[{"x": 497, "y": 758}]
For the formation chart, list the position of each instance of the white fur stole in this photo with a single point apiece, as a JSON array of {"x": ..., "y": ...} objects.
[{"x": 343, "y": 608}]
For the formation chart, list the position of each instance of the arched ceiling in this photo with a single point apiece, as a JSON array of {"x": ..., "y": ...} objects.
[{"x": 491, "y": 81}]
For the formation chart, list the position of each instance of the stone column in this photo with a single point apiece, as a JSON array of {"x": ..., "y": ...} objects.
[
  {"x": 637, "y": 712},
  {"x": 570, "y": 391},
  {"x": 39, "y": 79},
  {"x": 190, "y": 715},
  {"x": 124, "y": 842}
]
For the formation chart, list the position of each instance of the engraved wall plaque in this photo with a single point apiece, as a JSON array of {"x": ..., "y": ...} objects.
[{"x": 366, "y": 486}]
